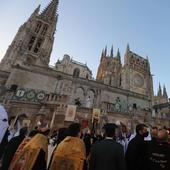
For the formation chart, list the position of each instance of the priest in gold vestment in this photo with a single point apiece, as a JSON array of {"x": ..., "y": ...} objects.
[
  {"x": 70, "y": 153},
  {"x": 33, "y": 156}
]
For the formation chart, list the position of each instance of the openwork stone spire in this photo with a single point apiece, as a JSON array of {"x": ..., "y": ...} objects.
[
  {"x": 159, "y": 91},
  {"x": 118, "y": 55},
  {"x": 50, "y": 12},
  {"x": 111, "y": 52},
  {"x": 165, "y": 95}
]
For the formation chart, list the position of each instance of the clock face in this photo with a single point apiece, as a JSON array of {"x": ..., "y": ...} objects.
[
  {"x": 30, "y": 95},
  {"x": 117, "y": 106},
  {"x": 20, "y": 93},
  {"x": 138, "y": 80},
  {"x": 41, "y": 96}
]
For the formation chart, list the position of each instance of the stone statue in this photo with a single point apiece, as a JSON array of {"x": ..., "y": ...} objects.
[{"x": 88, "y": 102}]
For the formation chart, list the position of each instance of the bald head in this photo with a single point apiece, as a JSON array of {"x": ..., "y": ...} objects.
[{"x": 163, "y": 135}]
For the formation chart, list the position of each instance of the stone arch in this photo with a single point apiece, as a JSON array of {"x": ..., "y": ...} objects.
[
  {"x": 93, "y": 90},
  {"x": 79, "y": 93},
  {"x": 87, "y": 76},
  {"x": 89, "y": 98}
]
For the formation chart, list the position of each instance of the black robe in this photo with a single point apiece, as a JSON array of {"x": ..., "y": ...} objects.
[
  {"x": 4, "y": 143},
  {"x": 107, "y": 155},
  {"x": 10, "y": 150},
  {"x": 136, "y": 153},
  {"x": 40, "y": 163},
  {"x": 158, "y": 156}
]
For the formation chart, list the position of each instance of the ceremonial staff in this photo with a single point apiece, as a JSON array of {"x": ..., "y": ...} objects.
[
  {"x": 12, "y": 125},
  {"x": 52, "y": 121}
]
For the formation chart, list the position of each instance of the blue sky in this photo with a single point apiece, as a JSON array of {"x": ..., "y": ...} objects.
[{"x": 86, "y": 26}]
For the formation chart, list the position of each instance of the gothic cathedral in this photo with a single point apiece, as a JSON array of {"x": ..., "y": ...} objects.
[{"x": 29, "y": 86}]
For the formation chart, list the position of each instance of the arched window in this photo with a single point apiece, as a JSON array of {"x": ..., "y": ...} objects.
[
  {"x": 76, "y": 72},
  {"x": 38, "y": 26},
  {"x": 37, "y": 46},
  {"x": 44, "y": 30},
  {"x": 31, "y": 42}
]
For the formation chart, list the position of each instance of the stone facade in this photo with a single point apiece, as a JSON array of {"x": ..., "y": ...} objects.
[
  {"x": 34, "y": 40},
  {"x": 161, "y": 98},
  {"x": 161, "y": 108},
  {"x": 29, "y": 85},
  {"x": 134, "y": 75},
  {"x": 109, "y": 71},
  {"x": 77, "y": 69}
]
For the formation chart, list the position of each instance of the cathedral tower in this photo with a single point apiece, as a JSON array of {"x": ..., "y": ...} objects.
[
  {"x": 162, "y": 96},
  {"x": 136, "y": 75},
  {"x": 34, "y": 40},
  {"x": 109, "y": 71}
]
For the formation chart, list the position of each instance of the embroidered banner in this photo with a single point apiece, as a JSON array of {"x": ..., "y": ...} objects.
[
  {"x": 96, "y": 115},
  {"x": 70, "y": 113}
]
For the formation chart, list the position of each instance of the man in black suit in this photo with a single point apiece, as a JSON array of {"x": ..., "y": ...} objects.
[
  {"x": 158, "y": 152},
  {"x": 136, "y": 151},
  {"x": 12, "y": 147},
  {"x": 107, "y": 154}
]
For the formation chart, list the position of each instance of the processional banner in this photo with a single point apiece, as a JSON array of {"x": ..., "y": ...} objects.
[
  {"x": 70, "y": 113},
  {"x": 96, "y": 115}
]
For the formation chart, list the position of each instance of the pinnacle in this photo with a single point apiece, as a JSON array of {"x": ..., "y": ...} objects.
[
  {"x": 111, "y": 52},
  {"x": 127, "y": 48},
  {"x": 50, "y": 12},
  {"x": 105, "y": 52}
]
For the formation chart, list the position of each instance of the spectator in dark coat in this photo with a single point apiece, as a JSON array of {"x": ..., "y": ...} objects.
[
  {"x": 62, "y": 134},
  {"x": 87, "y": 142},
  {"x": 136, "y": 151},
  {"x": 4, "y": 143},
  {"x": 11, "y": 148},
  {"x": 107, "y": 154},
  {"x": 158, "y": 155}
]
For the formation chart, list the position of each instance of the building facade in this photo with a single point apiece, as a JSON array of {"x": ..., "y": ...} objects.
[{"x": 28, "y": 85}]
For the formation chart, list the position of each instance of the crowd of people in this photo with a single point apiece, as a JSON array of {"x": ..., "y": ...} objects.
[
  {"x": 115, "y": 149},
  {"x": 74, "y": 148}
]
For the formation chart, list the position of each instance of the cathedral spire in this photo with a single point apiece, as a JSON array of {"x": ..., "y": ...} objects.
[
  {"x": 50, "y": 12},
  {"x": 102, "y": 55},
  {"x": 118, "y": 55},
  {"x": 127, "y": 48},
  {"x": 159, "y": 91},
  {"x": 111, "y": 52},
  {"x": 147, "y": 58},
  {"x": 36, "y": 11},
  {"x": 126, "y": 57},
  {"x": 105, "y": 51},
  {"x": 36, "y": 47},
  {"x": 165, "y": 95}
]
